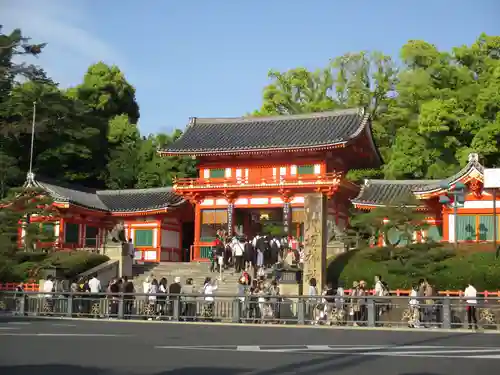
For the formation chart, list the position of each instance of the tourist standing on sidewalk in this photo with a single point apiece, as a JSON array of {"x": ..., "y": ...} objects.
[
  {"x": 48, "y": 288},
  {"x": 209, "y": 287},
  {"x": 414, "y": 320},
  {"x": 189, "y": 300},
  {"x": 128, "y": 289},
  {"x": 471, "y": 300},
  {"x": 152, "y": 300},
  {"x": 174, "y": 291}
]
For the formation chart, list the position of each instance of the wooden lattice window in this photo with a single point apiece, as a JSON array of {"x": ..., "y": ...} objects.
[
  {"x": 217, "y": 173},
  {"x": 143, "y": 237},
  {"x": 71, "y": 233},
  {"x": 91, "y": 234},
  {"x": 305, "y": 169}
]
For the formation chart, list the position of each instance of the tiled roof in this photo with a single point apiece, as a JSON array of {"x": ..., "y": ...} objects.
[
  {"x": 73, "y": 194},
  {"x": 230, "y": 135},
  {"x": 473, "y": 164},
  {"x": 132, "y": 200},
  {"x": 139, "y": 199},
  {"x": 383, "y": 192},
  {"x": 386, "y": 192}
]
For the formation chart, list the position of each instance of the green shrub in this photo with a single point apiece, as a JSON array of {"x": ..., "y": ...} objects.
[
  {"x": 402, "y": 267},
  {"x": 24, "y": 256},
  {"x": 7, "y": 273},
  {"x": 75, "y": 262}
]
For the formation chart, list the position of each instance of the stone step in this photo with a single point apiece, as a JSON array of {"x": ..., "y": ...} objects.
[{"x": 197, "y": 271}]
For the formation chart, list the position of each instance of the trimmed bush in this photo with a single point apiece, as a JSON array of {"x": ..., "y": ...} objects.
[
  {"x": 25, "y": 266},
  {"x": 401, "y": 267},
  {"x": 24, "y": 256},
  {"x": 75, "y": 262}
]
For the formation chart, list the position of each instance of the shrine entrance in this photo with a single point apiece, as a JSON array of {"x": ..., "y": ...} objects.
[{"x": 267, "y": 221}]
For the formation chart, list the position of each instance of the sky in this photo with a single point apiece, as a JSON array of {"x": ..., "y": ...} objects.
[{"x": 210, "y": 58}]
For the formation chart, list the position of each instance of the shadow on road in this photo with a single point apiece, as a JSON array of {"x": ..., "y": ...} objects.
[
  {"x": 81, "y": 370},
  {"x": 326, "y": 364},
  {"x": 21, "y": 319}
]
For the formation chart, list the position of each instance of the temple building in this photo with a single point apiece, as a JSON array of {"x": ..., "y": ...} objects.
[
  {"x": 253, "y": 172},
  {"x": 473, "y": 221},
  {"x": 157, "y": 220}
]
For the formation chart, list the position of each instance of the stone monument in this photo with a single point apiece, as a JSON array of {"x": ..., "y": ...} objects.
[
  {"x": 116, "y": 248},
  {"x": 315, "y": 240}
]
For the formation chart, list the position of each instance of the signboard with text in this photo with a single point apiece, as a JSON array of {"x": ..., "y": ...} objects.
[{"x": 492, "y": 178}]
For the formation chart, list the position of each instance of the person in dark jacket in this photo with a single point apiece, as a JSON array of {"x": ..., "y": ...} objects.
[
  {"x": 174, "y": 291},
  {"x": 249, "y": 255}
]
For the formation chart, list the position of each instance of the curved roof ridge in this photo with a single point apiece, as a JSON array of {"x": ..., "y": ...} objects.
[
  {"x": 399, "y": 182},
  {"x": 298, "y": 116},
  {"x": 124, "y": 200},
  {"x": 165, "y": 189}
]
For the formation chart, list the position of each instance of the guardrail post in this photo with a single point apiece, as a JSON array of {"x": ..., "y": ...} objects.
[
  {"x": 22, "y": 304},
  {"x": 371, "y": 312},
  {"x": 236, "y": 310},
  {"x": 177, "y": 309},
  {"x": 446, "y": 313},
  {"x": 121, "y": 307},
  {"x": 69, "y": 307},
  {"x": 301, "y": 311}
]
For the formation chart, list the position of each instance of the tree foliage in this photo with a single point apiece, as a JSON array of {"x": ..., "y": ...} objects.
[
  {"x": 19, "y": 210},
  {"x": 395, "y": 222},
  {"x": 86, "y": 134},
  {"x": 428, "y": 114}
]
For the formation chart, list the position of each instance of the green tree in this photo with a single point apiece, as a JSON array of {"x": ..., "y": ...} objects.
[
  {"x": 155, "y": 170},
  {"x": 18, "y": 210},
  {"x": 396, "y": 222},
  {"x": 447, "y": 106},
  {"x": 65, "y": 133},
  {"x": 106, "y": 90},
  {"x": 124, "y": 142},
  {"x": 354, "y": 80}
]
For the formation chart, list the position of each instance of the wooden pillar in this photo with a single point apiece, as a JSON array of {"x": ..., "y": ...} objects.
[{"x": 62, "y": 231}]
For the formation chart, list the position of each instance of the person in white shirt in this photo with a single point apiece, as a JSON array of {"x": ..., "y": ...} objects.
[
  {"x": 238, "y": 248},
  {"x": 379, "y": 291},
  {"x": 48, "y": 288},
  {"x": 379, "y": 287},
  {"x": 470, "y": 293},
  {"x": 95, "y": 285},
  {"x": 208, "y": 290},
  {"x": 414, "y": 320}
]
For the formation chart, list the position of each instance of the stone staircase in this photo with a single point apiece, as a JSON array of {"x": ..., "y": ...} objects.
[{"x": 197, "y": 271}]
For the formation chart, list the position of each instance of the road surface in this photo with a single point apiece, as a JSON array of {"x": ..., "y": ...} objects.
[{"x": 62, "y": 347}]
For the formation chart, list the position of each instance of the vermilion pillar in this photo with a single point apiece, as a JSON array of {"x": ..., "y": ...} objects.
[{"x": 197, "y": 230}]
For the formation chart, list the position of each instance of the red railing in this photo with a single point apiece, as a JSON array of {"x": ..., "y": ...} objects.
[
  {"x": 262, "y": 179},
  {"x": 28, "y": 287}
]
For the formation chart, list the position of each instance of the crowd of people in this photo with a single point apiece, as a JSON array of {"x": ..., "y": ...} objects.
[{"x": 257, "y": 254}]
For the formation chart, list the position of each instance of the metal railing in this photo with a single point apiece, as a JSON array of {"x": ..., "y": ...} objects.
[{"x": 369, "y": 311}]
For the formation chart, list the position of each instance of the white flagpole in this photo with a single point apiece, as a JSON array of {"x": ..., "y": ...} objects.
[{"x": 31, "y": 177}]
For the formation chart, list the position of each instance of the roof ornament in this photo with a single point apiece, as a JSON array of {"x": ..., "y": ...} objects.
[
  {"x": 473, "y": 157},
  {"x": 30, "y": 180},
  {"x": 367, "y": 182},
  {"x": 192, "y": 121}
]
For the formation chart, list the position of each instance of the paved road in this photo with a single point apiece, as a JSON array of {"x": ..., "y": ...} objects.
[{"x": 61, "y": 347}]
